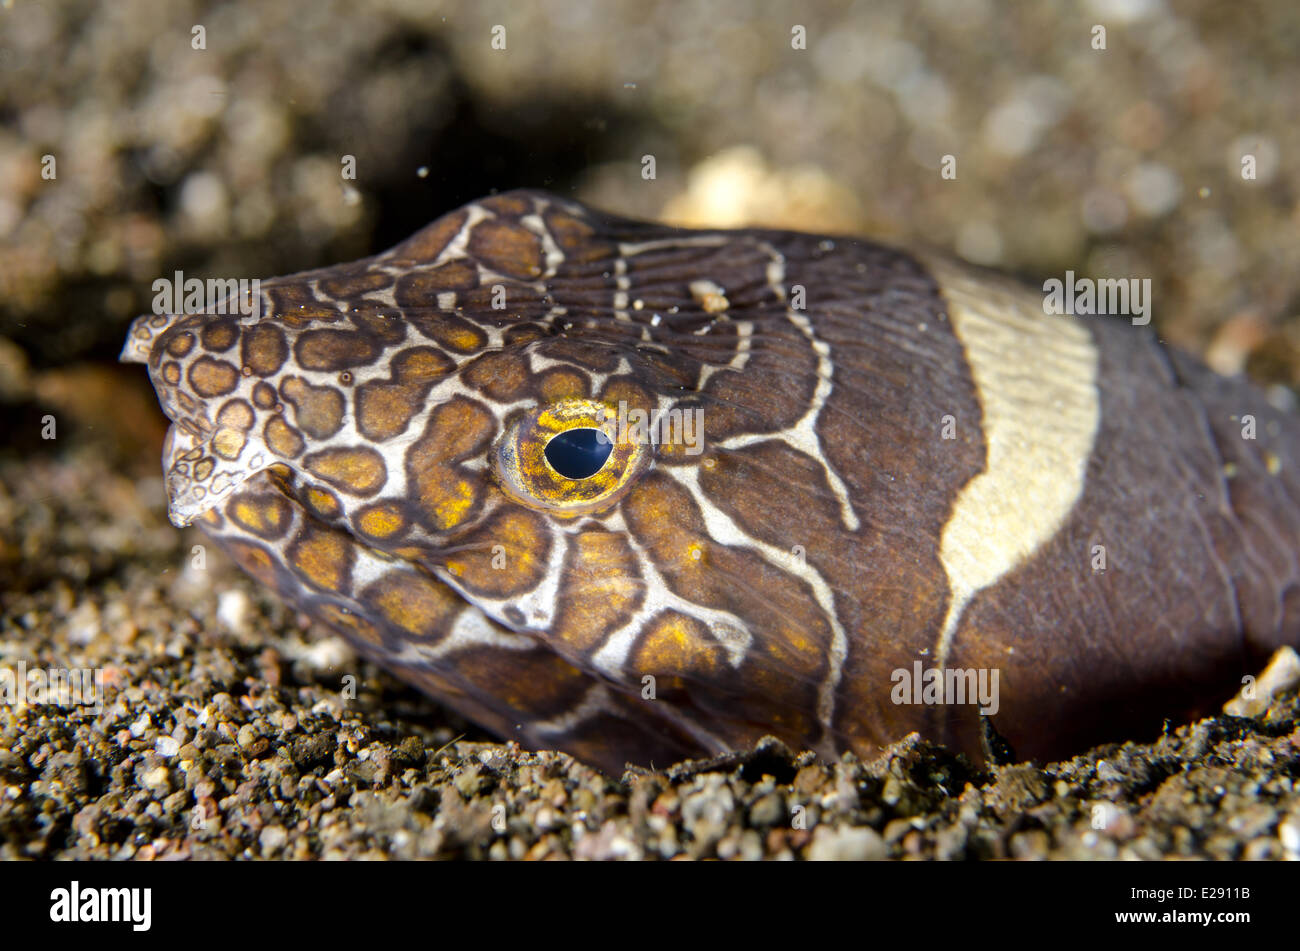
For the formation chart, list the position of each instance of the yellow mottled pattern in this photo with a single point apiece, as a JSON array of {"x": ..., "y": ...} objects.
[
  {"x": 219, "y": 335},
  {"x": 418, "y": 605},
  {"x": 386, "y": 407},
  {"x": 318, "y": 410},
  {"x": 602, "y": 588},
  {"x": 426, "y": 244},
  {"x": 283, "y": 439},
  {"x": 445, "y": 493},
  {"x": 464, "y": 339},
  {"x": 559, "y": 384},
  {"x": 411, "y": 512},
  {"x": 257, "y": 561},
  {"x": 450, "y": 510},
  {"x": 210, "y": 377},
  {"x": 506, "y": 555},
  {"x": 677, "y": 649},
  {"x": 322, "y": 502},
  {"x": 228, "y": 443},
  {"x": 264, "y": 350},
  {"x": 180, "y": 344},
  {"x": 501, "y": 375},
  {"x": 784, "y": 665},
  {"x": 236, "y": 414},
  {"x": 265, "y": 515},
  {"x": 507, "y": 248},
  {"x": 358, "y": 471},
  {"x": 322, "y": 558},
  {"x": 381, "y": 521}
]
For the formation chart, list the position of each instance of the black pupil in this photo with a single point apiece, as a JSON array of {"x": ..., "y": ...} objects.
[{"x": 578, "y": 453}]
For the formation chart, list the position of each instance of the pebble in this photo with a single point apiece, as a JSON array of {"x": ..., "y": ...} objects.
[
  {"x": 234, "y": 608},
  {"x": 842, "y": 844},
  {"x": 272, "y": 838},
  {"x": 1289, "y": 834}
]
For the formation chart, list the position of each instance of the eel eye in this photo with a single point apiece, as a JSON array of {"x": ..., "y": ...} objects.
[
  {"x": 569, "y": 457},
  {"x": 579, "y": 453}
]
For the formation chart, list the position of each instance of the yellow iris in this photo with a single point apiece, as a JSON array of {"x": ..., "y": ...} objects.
[{"x": 528, "y": 476}]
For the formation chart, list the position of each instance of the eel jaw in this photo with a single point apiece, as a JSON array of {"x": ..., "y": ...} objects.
[{"x": 197, "y": 478}]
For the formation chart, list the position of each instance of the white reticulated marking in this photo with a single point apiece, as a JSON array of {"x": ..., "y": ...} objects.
[
  {"x": 744, "y": 336},
  {"x": 538, "y": 362},
  {"x": 458, "y": 246},
  {"x": 1036, "y": 378},
  {"x": 470, "y": 629},
  {"x": 491, "y": 278},
  {"x": 395, "y": 486},
  {"x": 612, "y": 520},
  {"x": 802, "y": 436},
  {"x": 539, "y": 604},
  {"x": 185, "y": 504},
  {"x": 725, "y": 531},
  {"x": 395, "y": 483},
  {"x": 597, "y": 701},
  {"x": 611, "y": 659},
  {"x": 446, "y": 300},
  {"x": 612, "y": 656},
  {"x": 369, "y": 565},
  {"x": 594, "y": 702},
  {"x": 629, "y": 249},
  {"x": 623, "y": 284},
  {"x": 554, "y": 256}
]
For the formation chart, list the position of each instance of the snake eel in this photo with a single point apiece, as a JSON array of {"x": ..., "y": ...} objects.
[{"x": 642, "y": 494}]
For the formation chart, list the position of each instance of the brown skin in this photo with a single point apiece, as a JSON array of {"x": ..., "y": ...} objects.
[{"x": 373, "y": 448}]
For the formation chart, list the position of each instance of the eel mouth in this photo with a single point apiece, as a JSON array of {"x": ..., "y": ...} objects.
[
  {"x": 199, "y": 475},
  {"x": 140, "y": 338}
]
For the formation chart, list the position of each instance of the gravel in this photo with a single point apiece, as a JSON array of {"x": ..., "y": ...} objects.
[{"x": 237, "y": 740}]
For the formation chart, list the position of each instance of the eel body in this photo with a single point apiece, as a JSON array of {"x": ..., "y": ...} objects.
[{"x": 642, "y": 493}]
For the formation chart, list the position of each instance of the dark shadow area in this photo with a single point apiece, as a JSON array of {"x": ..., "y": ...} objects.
[
  {"x": 538, "y": 144},
  {"x": 467, "y": 149}
]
